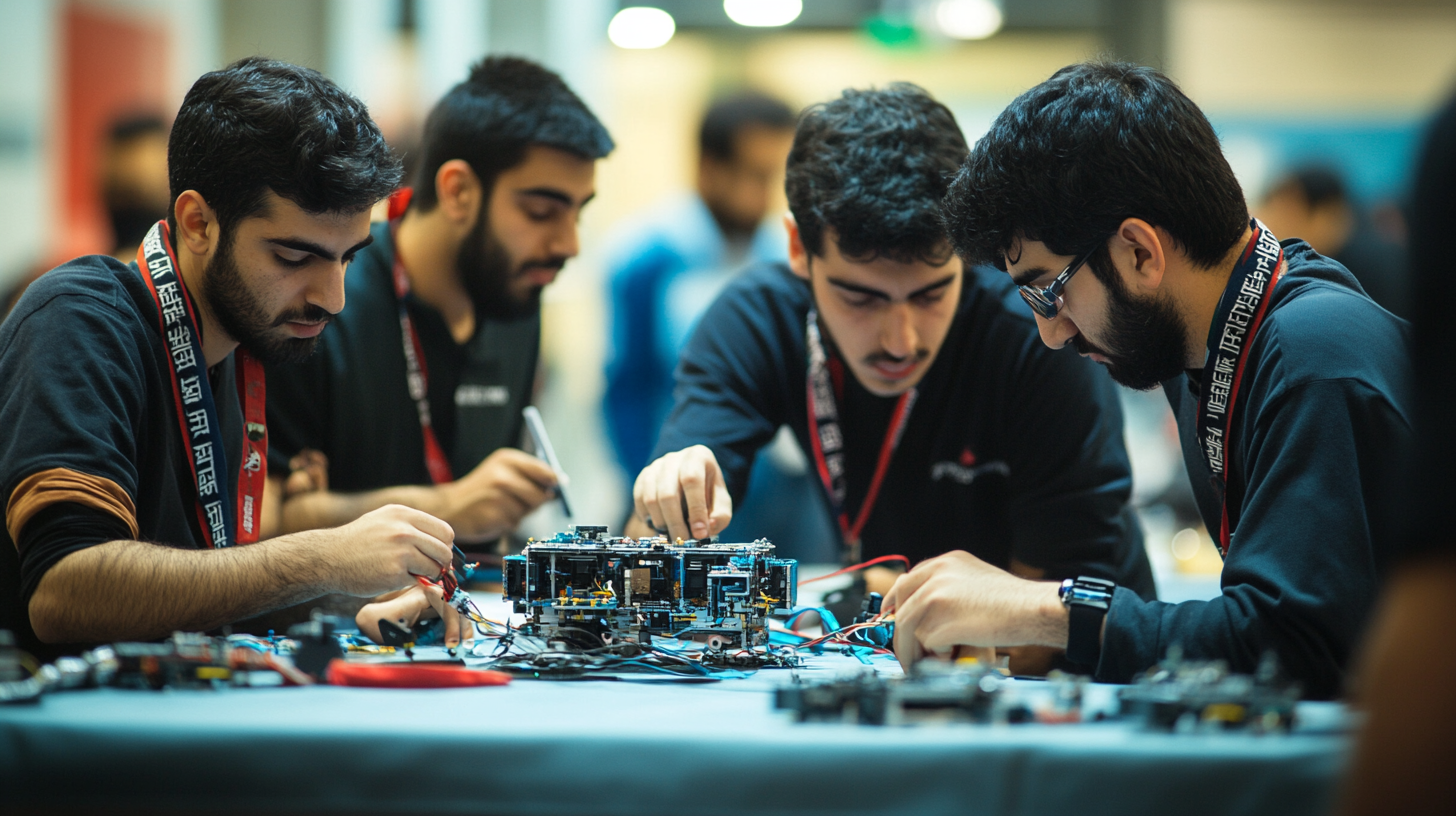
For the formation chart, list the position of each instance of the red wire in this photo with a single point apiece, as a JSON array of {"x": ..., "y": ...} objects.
[{"x": 870, "y": 563}]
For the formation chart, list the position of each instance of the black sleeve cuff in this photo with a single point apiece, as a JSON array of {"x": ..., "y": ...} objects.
[{"x": 56, "y": 532}]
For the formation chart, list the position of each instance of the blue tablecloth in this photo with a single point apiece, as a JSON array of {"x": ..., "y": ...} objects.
[{"x": 539, "y": 747}]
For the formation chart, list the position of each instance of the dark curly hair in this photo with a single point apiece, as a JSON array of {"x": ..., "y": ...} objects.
[
  {"x": 1096, "y": 144},
  {"x": 872, "y": 166},
  {"x": 260, "y": 125},
  {"x": 506, "y": 105}
]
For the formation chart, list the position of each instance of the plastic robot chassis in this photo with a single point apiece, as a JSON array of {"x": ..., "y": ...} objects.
[{"x": 584, "y": 584}]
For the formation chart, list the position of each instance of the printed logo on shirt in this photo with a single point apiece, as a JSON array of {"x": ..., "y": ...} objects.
[
  {"x": 966, "y": 472},
  {"x": 482, "y": 396}
]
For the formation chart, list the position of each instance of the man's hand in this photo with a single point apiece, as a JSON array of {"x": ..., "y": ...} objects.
[
  {"x": 493, "y": 498},
  {"x": 383, "y": 551},
  {"x": 691, "y": 479},
  {"x": 308, "y": 472},
  {"x": 407, "y": 607},
  {"x": 958, "y": 600}
]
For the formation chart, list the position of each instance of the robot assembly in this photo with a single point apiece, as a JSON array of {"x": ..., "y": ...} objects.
[{"x": 602, "y": 606}]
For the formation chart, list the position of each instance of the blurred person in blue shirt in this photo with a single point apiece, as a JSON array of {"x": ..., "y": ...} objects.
[{"x": 671, "y": 262}]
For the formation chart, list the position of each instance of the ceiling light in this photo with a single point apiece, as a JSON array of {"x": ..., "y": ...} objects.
[
  {"x": 641, "y": 27},
  {"x": 763, "y": 13},
  {"x": 968, "y": 19}
]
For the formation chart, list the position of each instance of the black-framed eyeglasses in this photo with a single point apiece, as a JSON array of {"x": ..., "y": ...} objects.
[{"x": 1047, "y": 302}]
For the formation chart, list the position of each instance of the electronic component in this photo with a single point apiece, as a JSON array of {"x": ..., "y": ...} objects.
[
  {"x": 589, "y": 589},
  {"x": 934, "y": 691},
  {"x": 1184, "y": 695}
]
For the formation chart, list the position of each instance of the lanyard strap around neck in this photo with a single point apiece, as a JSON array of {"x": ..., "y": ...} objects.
[
  {"x": 197, "y": 410},
  {"x": 417, "y": 376},
  {"x": 827, "y": 438},
  {"x": 1236, "y": 322}
]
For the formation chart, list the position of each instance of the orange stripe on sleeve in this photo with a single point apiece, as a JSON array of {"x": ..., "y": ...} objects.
[{"x": 41, "y": 490}]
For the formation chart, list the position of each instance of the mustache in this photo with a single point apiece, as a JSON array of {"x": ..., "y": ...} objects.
[
  {"x": 1085, "y": 347},
  {"x": 553, "y": 264},
  {"x": 920, "y": 355},
  {"x": 308, "y": 314}
]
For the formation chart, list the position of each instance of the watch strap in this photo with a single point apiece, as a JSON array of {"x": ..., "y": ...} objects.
[{"x": 1084, "y": 634}]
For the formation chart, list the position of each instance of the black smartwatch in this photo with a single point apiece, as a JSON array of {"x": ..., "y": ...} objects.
[{"x": 1087, "y": 601}]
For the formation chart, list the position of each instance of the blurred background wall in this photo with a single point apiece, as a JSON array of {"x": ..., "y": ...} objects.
[{"x": 1344, "y": 85}]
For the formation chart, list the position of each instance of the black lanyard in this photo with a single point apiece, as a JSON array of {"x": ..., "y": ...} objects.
[
  {"x": 1236, "y": 321},
  {"x": 196, "y": 409},
  {"x": 827, "y": 438}
]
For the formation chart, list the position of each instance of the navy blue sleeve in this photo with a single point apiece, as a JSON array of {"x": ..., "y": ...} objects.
[
  {"x": 731, "y": 380},
  {"x": 73, "y": 390},
  {"x": 74, "y": 385},
  {"x": 1301, "y": 572},
  {"x": 1069, "y": 473},
  {"x": 298, "y": 407},
  {"x": 639, "y": 382}
]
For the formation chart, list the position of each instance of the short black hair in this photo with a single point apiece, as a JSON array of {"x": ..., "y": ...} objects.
[
  {"x": 1319, "y": 185},
  {"x": 730, "y": 115},
  {"x": 260, "y": 125},
  {"x": 505, "y": 106},
  {"x": 1071, "y": 159},
  {"x": 873, "y": 165}
]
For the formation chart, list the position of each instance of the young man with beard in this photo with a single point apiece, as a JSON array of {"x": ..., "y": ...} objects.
[
  {"x": 1287, "y": 381},
  {"x": 934, "y": 417},
  {"x": 415, "y": 396},
  {"x": 132, "y": 394}
]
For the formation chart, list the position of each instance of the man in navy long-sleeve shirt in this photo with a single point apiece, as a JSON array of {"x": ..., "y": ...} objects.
[{"x": 1287, "y": 381}]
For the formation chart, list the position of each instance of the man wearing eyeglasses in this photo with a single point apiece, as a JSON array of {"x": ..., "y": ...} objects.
[
  {"x": 931, "y": 414},
  {"x": 1104, "y": 194}
]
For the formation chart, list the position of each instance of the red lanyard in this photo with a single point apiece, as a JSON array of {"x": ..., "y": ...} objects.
[
  {"x": 417, "y": 376},
  {"x": 827, "y": 438},
  {"x": 197, "y": 411},
  {"x": 1236, "y": 322}
]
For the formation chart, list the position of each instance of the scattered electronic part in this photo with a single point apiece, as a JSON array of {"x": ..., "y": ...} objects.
[
  {"x": 1185, "y": 695},
  {"x": 933, "y": 692},
  {"x": 316, "y": 645},
  {"x": 585, "y": 588}
]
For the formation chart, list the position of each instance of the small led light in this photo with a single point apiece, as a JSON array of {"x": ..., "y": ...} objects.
[
  {"x": 968, "y": 19},
  {"x": 641, "y": 27},
  {"x": 763, "y": 13}
]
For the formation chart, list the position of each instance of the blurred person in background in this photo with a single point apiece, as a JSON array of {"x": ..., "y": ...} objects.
[
  {"x": 415, "y": 395},
  {"x": 918, "y": 387},
  {"x": 134, "y": 180},
  {"x": 132, "y": 393},
  {"x": 1288, "y": 384},
  {"x": 667, "y": 265},
  {"x": 133, "y": 190},
  {"x": 1403, "y": 755},
  {"x": 1312, "y": 202}
]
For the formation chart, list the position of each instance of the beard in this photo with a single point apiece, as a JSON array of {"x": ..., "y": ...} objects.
[
  {"x": 1146, "y": 341},
  {"x": 241, "y": 312},
  {"x": 488, "y": 272}
]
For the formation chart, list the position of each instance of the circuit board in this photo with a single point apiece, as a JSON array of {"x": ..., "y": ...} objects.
[{"x": 588, "y": 588}]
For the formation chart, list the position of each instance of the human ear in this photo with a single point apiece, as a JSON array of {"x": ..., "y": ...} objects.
[
  {"x": 798, "y": 257},
  {"x": 458, "y": 190},
  {"x": 1137, "y": 251},
  {"x": 197, "y": 227}
]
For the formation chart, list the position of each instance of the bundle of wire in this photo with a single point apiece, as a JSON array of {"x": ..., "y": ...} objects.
[{"x": 573, "y": 656}]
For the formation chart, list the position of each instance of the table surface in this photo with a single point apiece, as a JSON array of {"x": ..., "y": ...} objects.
[{"x": 651, "y": 747}]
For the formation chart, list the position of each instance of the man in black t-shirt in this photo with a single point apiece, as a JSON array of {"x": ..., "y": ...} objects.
[
  {"x": 415, "y": 396},
  {"x": 916, "y": 387},
  {"x": 131, "y": 394},
  {"x": 1105, "y": 195}
]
